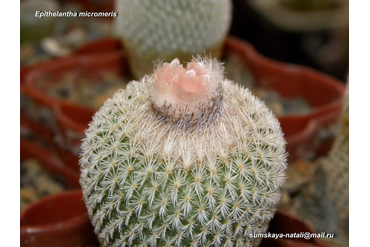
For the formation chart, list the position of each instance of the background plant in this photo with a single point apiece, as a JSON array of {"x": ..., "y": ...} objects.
[
  {"x": 336, "y": 169},
  {"x": 154, "y": 30}
]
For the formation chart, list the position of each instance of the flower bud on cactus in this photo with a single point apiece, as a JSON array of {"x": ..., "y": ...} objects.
[
  {"x": 153, "y": 30},
  {"x": 182, "y": 158}
]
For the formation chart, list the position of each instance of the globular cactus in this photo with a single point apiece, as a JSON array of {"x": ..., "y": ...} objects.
[
  {"x": 153, "y": 30},
  {"x": 336, "y": 168},
  {"x": 183, "y": 157}
]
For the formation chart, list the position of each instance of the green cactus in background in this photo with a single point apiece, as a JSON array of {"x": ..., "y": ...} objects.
[
  {"x": 336, "y": 168},
  {"x": 153, "y": 30},
  {"x": 182, "y": 157}
]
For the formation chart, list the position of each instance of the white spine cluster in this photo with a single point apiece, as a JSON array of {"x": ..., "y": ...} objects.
[
  {"x": 150, "y": 182},
  {"x": 152, "y": 29}
]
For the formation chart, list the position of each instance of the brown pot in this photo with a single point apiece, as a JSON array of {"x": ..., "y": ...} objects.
[
  {"x": 284, "y": 223},
  {"x": 60, "y": 221},
  {"x": 304, "y": 134},
  {"x": 50, "y": 163},
  {"x": 47, "y": 116},
  {"x": 324, "y": 93}
]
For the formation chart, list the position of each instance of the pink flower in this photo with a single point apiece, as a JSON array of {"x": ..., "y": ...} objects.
[{"x": 182, "y": 87}]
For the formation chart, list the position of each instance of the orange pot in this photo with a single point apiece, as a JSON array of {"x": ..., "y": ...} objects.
[
  {"x": 307, "y": 135},
  {"x": 60, "y": 221},
  {"x": 325, "y": 94},
  {"x": 65, "y": 122},
  {"x": 50, "y": 163}
]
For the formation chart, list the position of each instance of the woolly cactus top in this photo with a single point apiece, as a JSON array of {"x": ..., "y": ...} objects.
[
  {"x": 182, "y": 157},
  {"x": 188, "y": 97},
  {"x": 161, "y": 110}
]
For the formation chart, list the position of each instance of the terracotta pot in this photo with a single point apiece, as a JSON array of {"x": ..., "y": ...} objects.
[
  {"x": 72, "y": 121},
  {"x": 303, "y": 133},
  {"x": 29, "y": 124},
  {"x": 103, "y": 45},
  {"x": 58, "y": 220},
  {"x": 44, "y": 114},
  {"x": 286, "y": 32},
  {"x": 49, "y": 163},
  {"x": 62, "y": 220},
  {"x": 287, "y": 224},
  {"x": 324, "y": 93}
]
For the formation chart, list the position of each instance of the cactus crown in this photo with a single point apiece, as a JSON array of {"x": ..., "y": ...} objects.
[
  {"x": 188, "y": 98},
  {"x": 182, "y": 158}
]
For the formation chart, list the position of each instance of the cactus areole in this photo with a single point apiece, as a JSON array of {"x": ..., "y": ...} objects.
[{"x": 182, "y": 157}]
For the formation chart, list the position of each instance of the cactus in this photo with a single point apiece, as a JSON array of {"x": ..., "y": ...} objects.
[
  {"x": 153, "y": 30},
  {"x": 182, "y": 157},
  {"x": 336, "y": 168}
]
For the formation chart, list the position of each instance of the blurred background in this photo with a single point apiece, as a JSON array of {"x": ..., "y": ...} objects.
[{"x": 308, "y": 32}]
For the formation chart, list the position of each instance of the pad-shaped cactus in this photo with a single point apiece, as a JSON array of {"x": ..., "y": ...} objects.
[
  {"x": 153, "y": 30},
  {"x": 183, "y": 157}
]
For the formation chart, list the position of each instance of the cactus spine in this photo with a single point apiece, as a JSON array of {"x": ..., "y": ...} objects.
[
  {"x": 183, "y": 157},
  {"x": 153, "y": 30}
]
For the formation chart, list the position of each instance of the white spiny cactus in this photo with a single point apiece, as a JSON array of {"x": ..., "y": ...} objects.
[
  {"x": 153, "y": 30},
  {"x": 182, "y": 158}
]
